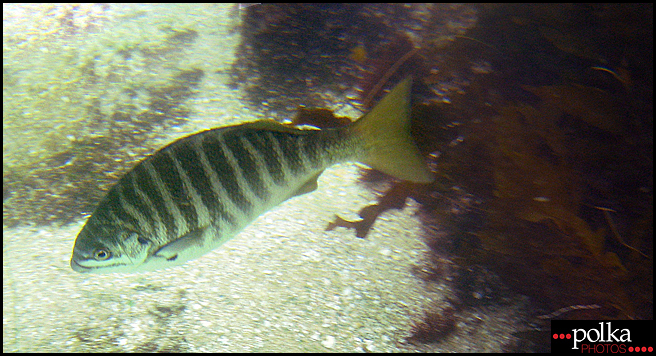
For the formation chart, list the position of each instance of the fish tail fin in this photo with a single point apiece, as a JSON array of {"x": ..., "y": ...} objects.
[{"x": 388, "y": 145}]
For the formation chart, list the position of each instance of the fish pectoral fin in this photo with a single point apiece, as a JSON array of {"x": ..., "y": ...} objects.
[
  {"x": 307, "y": 187},
  {"x": 194, "y": 238}
]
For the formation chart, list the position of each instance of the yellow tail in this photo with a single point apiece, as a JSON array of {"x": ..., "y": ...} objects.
[{"x": 388, "y": 145}]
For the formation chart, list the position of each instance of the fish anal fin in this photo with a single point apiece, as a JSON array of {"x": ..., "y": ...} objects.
[{"x": 309, "y": 186}]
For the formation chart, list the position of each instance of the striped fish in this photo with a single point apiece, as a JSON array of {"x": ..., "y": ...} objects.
[{"x": 200, "y": 191}]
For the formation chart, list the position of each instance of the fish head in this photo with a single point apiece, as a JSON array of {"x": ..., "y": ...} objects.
[{"x": 109, "y": 248}]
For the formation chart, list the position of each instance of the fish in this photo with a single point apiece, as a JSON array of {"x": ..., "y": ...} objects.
[{"x": 200, "y": 191}]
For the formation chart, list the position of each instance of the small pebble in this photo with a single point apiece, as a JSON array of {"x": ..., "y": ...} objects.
[{"x": 329, "y": 343}]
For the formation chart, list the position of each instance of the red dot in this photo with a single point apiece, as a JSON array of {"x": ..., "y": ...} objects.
[
  {"x": 650, "y": 349},
  {"x": 568, "y": 336},
  {"x": 556, "y": 336},
  {"x": 637, "y": 349},
  {"x": 562, "y": 336},
  {"x": 644, "y": 349}
]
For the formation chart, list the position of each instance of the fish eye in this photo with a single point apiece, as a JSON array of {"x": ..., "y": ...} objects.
[{"x": 101, "y": 254}]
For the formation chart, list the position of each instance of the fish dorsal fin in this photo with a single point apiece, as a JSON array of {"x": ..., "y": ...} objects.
[{"x": 273, "y": 125}]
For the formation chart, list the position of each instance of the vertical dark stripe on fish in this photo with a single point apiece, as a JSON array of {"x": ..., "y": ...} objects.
[
  {"x": 247, "y": 165},
  {"x": 290, "y": 152},
  {"x": 181, "y": 226},
  {"x": 173, "y": 182},
  {"x": 188, "y": 157},
  {"x": 158, "y": 225},
  {"x": 141, "y": 222},
  {"x": 132, "y": 198},
  {"x": 204, "y": 216},
  {"x": 225, "y": 172},
  {"x": 113, "y": 211},
  {"x": 311, "y": 150},
  {"x": 261, "y": 143},
  {"x": 146, "y": 185}
]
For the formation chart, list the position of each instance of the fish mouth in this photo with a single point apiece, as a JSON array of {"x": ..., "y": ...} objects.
[{"x": 78, "y": 267}]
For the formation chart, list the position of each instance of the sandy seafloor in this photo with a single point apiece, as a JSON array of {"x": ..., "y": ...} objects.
[{"x": 283, "y": 285}]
